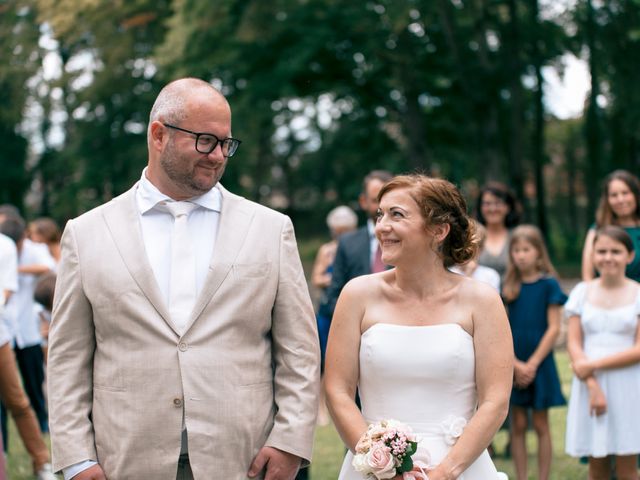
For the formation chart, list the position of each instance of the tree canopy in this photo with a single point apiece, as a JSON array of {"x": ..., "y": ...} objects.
[{"x": 323, "y": 91}]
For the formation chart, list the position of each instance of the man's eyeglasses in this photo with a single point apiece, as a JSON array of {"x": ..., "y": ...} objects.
[{"x": 207, "y": 142}]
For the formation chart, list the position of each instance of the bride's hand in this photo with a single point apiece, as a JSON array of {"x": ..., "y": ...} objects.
[{"x": 438, "y": 473}]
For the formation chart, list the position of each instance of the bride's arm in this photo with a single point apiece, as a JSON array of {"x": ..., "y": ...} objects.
[
  {"x": 494, "y": 374},
  {"x": 342, "y": 363}
]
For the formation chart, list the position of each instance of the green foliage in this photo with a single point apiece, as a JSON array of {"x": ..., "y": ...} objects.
[
  {"x": 21, "y": 57},
  {"x": 323, "y": 91}
]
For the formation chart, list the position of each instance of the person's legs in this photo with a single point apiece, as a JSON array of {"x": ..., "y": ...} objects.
[
  {"x": 545, "y": 452},
  {"x": 518, "y": 441},
  {"x": 627, "y": 467},
  {"x": 18, "y": 405},
  {"x": 31, "y": 364},
  {"x": 599, "y": 468}
]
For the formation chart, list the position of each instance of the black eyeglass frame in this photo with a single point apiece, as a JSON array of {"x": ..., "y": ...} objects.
[{"x": 230, "y": 141}]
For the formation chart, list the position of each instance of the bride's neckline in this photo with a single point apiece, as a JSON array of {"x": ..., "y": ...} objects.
[{"x": 398, "y": 325}]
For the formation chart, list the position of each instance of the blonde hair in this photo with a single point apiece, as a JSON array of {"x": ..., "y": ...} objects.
[{"x": 512, "y": 282}]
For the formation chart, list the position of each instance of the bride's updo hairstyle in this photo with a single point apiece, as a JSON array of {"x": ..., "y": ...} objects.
[{"x": 440, "y": 203}]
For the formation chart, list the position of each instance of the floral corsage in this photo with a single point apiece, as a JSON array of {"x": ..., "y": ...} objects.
[{"x": 385, "y": 450}]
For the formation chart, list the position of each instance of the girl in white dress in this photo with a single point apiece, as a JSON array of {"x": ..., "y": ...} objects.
[
  {"x": 604, "y": 345},
  {"x": 424, "y": 346}
]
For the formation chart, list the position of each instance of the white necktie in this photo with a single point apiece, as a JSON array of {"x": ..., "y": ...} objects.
[{"x": 182, "y": 285}]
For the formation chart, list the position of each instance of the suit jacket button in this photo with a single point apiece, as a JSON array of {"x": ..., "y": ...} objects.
[
  {"x": 182, "y": 347},
  {"x": 177, "y": 402}
]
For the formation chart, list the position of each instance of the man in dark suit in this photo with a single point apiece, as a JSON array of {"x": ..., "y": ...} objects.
[{"x": 356, "y": 254}]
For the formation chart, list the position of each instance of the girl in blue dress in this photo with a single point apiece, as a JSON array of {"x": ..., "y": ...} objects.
[{"x": 534, "y": 301}]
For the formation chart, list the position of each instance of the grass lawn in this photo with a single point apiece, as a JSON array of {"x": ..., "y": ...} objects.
[{"x": 329, "y": 450}]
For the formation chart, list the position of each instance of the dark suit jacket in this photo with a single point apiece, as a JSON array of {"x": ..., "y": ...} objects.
[{"x": 353, "y": 258}]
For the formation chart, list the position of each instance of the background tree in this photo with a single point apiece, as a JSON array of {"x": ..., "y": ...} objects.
[{"x": 324, "y": 91}]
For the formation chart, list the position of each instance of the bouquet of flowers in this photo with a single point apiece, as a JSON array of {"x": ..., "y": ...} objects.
[{"x": 385, "y": 450}]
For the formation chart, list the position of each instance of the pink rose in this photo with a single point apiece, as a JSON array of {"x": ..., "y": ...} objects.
[{"x": 381, "y": 461}]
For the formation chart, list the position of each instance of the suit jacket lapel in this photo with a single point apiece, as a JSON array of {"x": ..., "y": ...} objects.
[
  {"x": 124, "y": 223},
  {"x": 235, "y": 219}
]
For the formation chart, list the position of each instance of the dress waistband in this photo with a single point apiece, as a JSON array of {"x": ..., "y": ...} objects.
[{"x": 451, "y": 426}]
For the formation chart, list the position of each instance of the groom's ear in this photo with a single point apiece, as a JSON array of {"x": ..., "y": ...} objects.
[{"x": 157, "y": 135}]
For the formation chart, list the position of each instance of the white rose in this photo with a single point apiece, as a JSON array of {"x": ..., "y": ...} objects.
[
  {"x": 452, "y": 428},
  {"x": 360, "y": 463}
]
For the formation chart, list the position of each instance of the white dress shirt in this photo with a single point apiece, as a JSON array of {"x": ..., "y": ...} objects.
[{"x": 157, "y": 225}]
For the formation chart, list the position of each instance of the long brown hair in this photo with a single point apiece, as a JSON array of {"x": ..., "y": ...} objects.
[
  {"x": 513, "y": 278},
  {"x": 604, "y": 214}
]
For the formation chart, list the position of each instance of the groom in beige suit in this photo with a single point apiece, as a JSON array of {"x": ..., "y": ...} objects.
[{"x": 182, "y": 348}]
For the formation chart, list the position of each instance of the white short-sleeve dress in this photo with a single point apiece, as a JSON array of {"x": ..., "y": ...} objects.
[{"x": 605, "y": 331}]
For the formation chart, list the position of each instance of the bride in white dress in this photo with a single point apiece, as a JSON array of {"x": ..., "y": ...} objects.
[{"x": 424, "y": 346}]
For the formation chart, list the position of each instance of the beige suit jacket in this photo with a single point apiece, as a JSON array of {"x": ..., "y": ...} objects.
[{"x": 245, "y": 372}]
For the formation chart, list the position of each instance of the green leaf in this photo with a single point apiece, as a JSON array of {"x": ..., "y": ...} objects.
[
  {"x": 406, "y": 465},
  {"x": 411, "y": 448}
]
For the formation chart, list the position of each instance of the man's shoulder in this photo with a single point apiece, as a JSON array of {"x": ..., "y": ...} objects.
[{"x": 354, "y": 237}]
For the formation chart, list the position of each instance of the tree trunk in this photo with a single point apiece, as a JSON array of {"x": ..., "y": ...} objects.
[
  {"x": 538, "y": 140},
  {"x": 593, "y": 127}
]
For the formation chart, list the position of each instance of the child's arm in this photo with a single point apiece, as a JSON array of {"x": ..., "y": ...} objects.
[
  {"x": 34, "y": 269},
  {"x": 597, "y": 399},
  {"x": 548, "y": 339},
  {"x": 319, "y": 276},
  {"x": 585, "y": 367},
  {"x": 575, "y": 342},
  {"x": 522, "y": 374}
]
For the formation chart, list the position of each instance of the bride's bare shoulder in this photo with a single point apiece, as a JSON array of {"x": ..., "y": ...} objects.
[{"x": 366, "y": 285}]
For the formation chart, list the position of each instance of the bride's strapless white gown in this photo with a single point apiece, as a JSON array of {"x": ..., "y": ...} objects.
[{"x": 423, "y": 376}]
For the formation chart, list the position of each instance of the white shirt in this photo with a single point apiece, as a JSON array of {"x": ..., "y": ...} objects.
[
  {"x": 8, "y": 280},
  {"x": 157, "y": 225},
  {"x": 482, "y": 274},
  {"x": 23, "y": 323}
]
